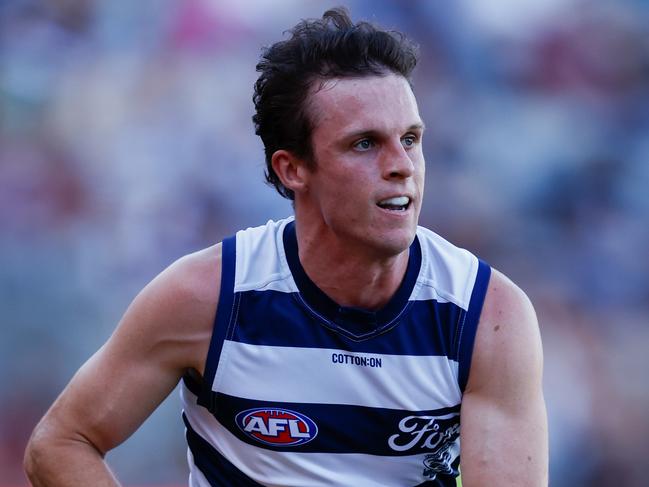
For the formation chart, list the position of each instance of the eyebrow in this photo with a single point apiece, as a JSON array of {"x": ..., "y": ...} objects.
[
  {"x": 373, "y": 132},
  {"x": 418, "y": 126}
]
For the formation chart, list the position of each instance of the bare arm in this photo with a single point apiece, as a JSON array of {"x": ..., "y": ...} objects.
[
  {"x": 504, "y": 424},
  {"x": 165, "y": 332}
]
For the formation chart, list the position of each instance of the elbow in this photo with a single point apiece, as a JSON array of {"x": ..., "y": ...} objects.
[
  {"x": 38, "y": 451},
  {"x": 34, "y": 453},
  {"x": 56, "y": 452}
]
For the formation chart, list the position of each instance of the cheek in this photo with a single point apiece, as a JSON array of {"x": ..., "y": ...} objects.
[
  {"x": 349, "y": 184},
  {"x": 420, "y": 170},
  {"x": 347, "y": 200}
]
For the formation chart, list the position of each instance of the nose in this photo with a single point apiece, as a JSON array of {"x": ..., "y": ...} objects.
[{"x": 397, "y": 163}]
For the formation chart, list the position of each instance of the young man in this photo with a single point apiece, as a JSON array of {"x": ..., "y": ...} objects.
[{"x": 349, "y": 344}]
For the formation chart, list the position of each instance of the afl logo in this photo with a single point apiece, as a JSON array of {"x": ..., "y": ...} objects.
[{"x": 277, "y": 427}]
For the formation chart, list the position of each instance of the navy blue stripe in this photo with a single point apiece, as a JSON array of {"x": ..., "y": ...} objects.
[
  {"x": 220, "y": 472},
  {"x": 217, "y": 469},
  {"x": 349, "y": 429},
  {"x": 468, "y": 329},
  {"x": 224, "y": 315},
  {"x": 193, "y": 385},
  {"x": 425, "y": 330}
]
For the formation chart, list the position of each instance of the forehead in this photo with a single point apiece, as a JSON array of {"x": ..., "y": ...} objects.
[{"x": 384, "y": 103}]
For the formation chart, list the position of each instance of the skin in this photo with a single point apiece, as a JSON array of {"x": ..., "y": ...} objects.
[{"x": 361, "y": 160}]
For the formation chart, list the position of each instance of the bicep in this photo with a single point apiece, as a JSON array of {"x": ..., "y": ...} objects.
[{"x": 504, "y": 426}]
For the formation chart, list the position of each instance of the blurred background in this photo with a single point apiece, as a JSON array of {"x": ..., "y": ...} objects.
[{"x": 126, "y": 142}]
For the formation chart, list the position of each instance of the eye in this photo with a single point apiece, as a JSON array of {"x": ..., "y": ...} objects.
[
  {"x": 408, "y": 141},
  {"x": 363, "y": 145}
]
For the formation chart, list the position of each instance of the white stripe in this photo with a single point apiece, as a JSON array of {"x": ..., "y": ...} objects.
[
  {"x": 293, "y": 374},
  {"x": 448, "y": 271},
  {"x": 274, "y": 282},
  {"x": 284, "y": 469},
  {"x": 260, "y": 261},
  {"x": 425, "y": 290}
]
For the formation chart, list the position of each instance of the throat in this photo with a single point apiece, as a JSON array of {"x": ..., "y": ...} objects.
[{"x": 355, "y": 283}]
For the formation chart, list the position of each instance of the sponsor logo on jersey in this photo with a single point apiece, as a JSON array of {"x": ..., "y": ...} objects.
[
  {"x": 435, "y": 435},
  {"x": 350, "y": 359},
  {"x": 276, "y": 426},
  {"x": 425, "y": 432}
]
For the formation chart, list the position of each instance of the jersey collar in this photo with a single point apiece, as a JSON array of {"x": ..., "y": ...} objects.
[{"x": 354, "y": 322}]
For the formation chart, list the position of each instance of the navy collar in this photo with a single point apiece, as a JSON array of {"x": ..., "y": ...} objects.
[{"x": 354, "y": 321}]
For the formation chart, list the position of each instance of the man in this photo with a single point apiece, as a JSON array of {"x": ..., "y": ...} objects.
[{"x": 349, "y": 343}]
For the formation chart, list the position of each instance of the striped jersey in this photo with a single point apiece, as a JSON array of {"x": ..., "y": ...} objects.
[{"x": 299, "y": 391}]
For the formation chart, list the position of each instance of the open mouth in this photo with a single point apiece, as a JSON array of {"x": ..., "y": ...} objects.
[{"x": 397, "y": 203}]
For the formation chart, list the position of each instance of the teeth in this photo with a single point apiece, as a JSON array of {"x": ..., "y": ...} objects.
[{"x": 396, "y": 201}]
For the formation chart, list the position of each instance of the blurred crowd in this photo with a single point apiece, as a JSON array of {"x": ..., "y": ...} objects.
[{"x": 126, "y": 141}]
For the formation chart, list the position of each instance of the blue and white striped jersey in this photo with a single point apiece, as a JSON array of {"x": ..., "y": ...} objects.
[{"x": 299, "y": 391}]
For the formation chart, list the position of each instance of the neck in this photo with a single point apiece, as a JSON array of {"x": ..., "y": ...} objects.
[{"x": 359, "y": 277}]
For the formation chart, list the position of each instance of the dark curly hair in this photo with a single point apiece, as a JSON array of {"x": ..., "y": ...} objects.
[{"x": 331, "y": 47}]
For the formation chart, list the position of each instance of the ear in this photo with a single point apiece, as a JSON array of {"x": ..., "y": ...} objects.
[{"x": 291, "y": 170}]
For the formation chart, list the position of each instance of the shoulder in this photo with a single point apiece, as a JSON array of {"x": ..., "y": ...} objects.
[
  {"x": 194, "y": 277},
  {"x": 507, "y": 352},
  {"x": 506, "y": 302},
  {"x": 174, "y": 313},
  {"x": 192, "y": 280}
]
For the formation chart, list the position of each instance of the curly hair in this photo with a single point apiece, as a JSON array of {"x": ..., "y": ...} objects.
[{"x": 317, "y": 50}]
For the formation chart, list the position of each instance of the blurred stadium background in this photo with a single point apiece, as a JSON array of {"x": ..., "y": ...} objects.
[{"x": 126, "y": 141}]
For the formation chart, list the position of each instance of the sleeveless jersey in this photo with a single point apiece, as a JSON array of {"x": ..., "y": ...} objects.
[{"x": 299, "y": 391}]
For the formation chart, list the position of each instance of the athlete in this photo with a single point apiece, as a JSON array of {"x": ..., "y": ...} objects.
[{"x": 349, "y": 344}]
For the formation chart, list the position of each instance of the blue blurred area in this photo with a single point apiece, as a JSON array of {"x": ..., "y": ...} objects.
[{"x": 126, "y": 142}]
